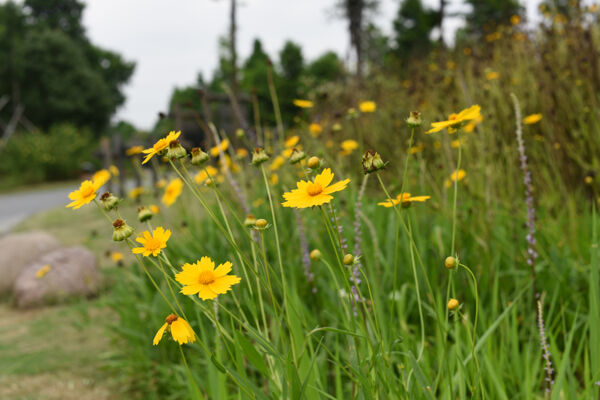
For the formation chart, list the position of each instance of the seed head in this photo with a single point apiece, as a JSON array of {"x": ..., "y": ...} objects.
[
  {"x": 259, "y": 156},
  {"x": 199, "y": 156},
  {"x": 121, "y": 230},
  {"x": 297, "y": 156},
  {"x": 144, "y": 214},
  {"x": 109, "y": 201},
  {"x": 414, "y": 119},
  {"x": 176, "y": 151}
]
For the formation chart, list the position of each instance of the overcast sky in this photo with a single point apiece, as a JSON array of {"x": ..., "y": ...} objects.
[{"x": 172, "y": 40}]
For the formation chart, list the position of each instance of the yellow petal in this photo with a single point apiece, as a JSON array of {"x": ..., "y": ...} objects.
[{"x": 159, "y": 334}]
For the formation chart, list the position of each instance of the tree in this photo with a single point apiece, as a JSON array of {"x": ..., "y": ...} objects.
[
  {"x": 291, "y": 64},
  {"x": 412, "y": 27},
  {"x": 254, "y": 78},
  {"x": 62, "y": 15},
  {"x": 486, "y": 15},
  {"x": 326, "y": 68}
]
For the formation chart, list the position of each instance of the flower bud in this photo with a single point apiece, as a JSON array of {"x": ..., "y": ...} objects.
[
  {"x": 297, "y": 156},
  {"x": 414, "y": 119},
  {"x": 337, "y": 127},
  {"x": 250, "y": 221},
  {"x": 315, "y": 255},
  {"x": 176, "y": 151},
  {"x": 109, "y": 201},
  {"x": 261, "y": 223},
  {"x": 348, "y": 259},
  {"x": 453, "y": 304},
  {"x": 239, "y": 133},
  {"x": 199, "y": 157},
  {"x": 121, "y": 230},
  {"x": 144, "y": 214},
  {"x": 450, "y": 262},
  {"x": 372, "y": 162},
  {"x": 259, "y": 156},
  {"x": 314, "y": 162}
]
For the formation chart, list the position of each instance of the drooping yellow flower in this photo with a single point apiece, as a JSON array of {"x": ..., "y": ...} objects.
[
  {"x": 100, "y": 177},
  {"x": 133, "y": 150},
  {"x": 84, "y": 195},
  {"x": 203, "y": 175},
  {"x": 136, "y": 192},
  {"x": 315, "y": 193},
  {"x": 152, "y": 244},
  {"x": 291, "y": 141},
  {"x": 40, "y": 273},
  {"x": 315, "y": 129},
  {"x": 154, "y": 208},
  {"x": 202, "y": 278},
  {"x": 181, "y": 331},
  {"x": 405, "y": 199},
  {"x": 367, "y": 106},
  {"x": 303, "y": 103},
  {"x": 532, "y": 119},
  {"x": 348, "y": 146},
  {"x": 172, "y": 192},
  {"x": 160, "y": 146},
  {"x": 467, "y": 114},
  {"x": 277, "y": 163},
  {"x": 216, "y": 150},
  {"x": 116, "y": 256}
]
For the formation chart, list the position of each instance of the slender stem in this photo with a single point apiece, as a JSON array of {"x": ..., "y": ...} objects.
[{"x": 191, "y": 376}]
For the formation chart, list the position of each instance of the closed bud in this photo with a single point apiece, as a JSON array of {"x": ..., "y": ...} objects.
[
  {"x": 453, "y": 304},
  {"x": 261, "y": 223},
  {"x": 297, "y": 156},
  {"x": 176, "y": 151},
  {"x": 372, "y": 162},
  {"x": 199, "y": 157},
  {"x": 239, "y": 133},
  {"x": 259, "y": 156},
  {"x": 121, "y": 230},
  {"x": 348, "y": 259},
  {"x": 315, "y": 255},
  {"x": 414, "y": 119},
  {"x": 450, "y": 262},
  {"x": 109, "y": 201},
  {"x": 144, "y": 214},
  {"x": 314, "y": 162},
  {"x": 250, "y": 221},
  {"x": 337, "y": 127}
]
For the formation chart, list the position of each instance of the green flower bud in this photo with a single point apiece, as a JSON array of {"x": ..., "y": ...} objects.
[
  {"x": 121, "y": 230},
  {"x": 199, "y": 157},
  {"x": 144, "y": 214},
  {"x": 259, "y": 156}
]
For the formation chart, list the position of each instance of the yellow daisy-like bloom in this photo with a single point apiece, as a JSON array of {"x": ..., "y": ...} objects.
[
  {"x": 403, "y": 198},
  {"x": 303, "y": 103},
  {"x": 181, "y": 331},
  {"x": 84, "y": 195},
  {"x": 172, "y": 192},
  {"x": 532, "y": 119},
  {"x": 419, "y": 147},
  {"x": 348, "y": 146},
  {"x": 136, "y": 192},
  {"x": 114, "y": 170},
  {"x": 315, "y": 193},
  {"x": 291, "y": 141},
  {"x": 315, "y": 129},
  {"x": 458, "y": 175},
  {"x": 287, "y": 153},
  {"x": 241, "y": 153},
  {"x": 367, "y": 106},
  {"x": 116, "y": 256},
  {"x": 43, "y": 271},
  {"x": 467, "y": 114},
  {"x": 215, "y": 151},
  {"x": 160, "y": 146},
  {"x": 154, "y": 208},
  {"x": 133, "y": 150},
  {"x": 101, "y": 177},
  {"x": 277, "y": 163},
  {"x": 202, "y": 278},
  {"x": 152, "y": 244},
  {"x": 274, "y": 179},
  {"x": 491, "y": 75},
  {"x": 204, "y": 174}
]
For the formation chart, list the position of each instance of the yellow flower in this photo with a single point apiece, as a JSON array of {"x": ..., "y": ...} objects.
[
  {"x": 470, "y": 127},
  {"x": 172, "y": 192},
  {"x": 456, "y": 175},
  {"x": 303, "y": 103},
  {"x": 515, "y": 20},
  {"x": 419, "y": 147},
  {"x": 315, "y": 129},
  {"x": 202, "y": 278},
  {"x": 152, "y": 244},
  {"x": 136, "y": 192},
  {"x": 532, "y": 119},
  {"x": 116, "y": 256},
  {"x": 154, "y": 208},
  {"x": 101, "y": 177},
  {"x": 241, "y": 153},
  {"x": 287, "y": 153},
  {"x": 367, "y": 106},
  {"x": 43, "y": 271},
  {"x": 215, "y": 151},
  {"x": 114, "y": 170},
  {"x": 258, "y": 202},
  {"x": 348, "y": 146},
  {"x": 315, "y": 193},
  {"x": 455, "y": 144},
  {"x": 291, "y": 141},
  {"x": 491, "y": 75},
  {"x": 85, "y": 194},
  {"x": 133, "y": 150},
  {"x": 160, "y": 146},
  {"x": 277, "y": 163},
  {"x": 204, "y": 174},
  {"x": 467, "y": 114},
  {"x": 274, "y": 179},
  {"x": 403, "y": 198},
  {"x": 161, "y": 183},
  {"x": 181, "y": 331}
]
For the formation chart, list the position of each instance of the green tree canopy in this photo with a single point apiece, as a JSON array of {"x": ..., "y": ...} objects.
[{"x": 412, "y": 27}]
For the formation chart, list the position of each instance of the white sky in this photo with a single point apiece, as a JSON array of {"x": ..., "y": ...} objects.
[{"x": 172, "y": 40}]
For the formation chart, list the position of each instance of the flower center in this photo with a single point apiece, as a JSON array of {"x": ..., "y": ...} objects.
[
  {"x": 152, "y": 244},
  {"x": 87, "y": 191},
  {"x": 453, "y": 117},
  {"x": 314, "y": 189},
  {"x": 206, "y": 277}
]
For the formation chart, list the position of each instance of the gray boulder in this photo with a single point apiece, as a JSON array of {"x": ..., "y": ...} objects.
[
  {"x": 19, "y": 250},
  {"x": 73, "y": 272}
]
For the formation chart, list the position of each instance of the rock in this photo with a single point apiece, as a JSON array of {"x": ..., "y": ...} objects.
[
  {"x": 19, "y": 250},
  {"x": 72, "y": 272}
]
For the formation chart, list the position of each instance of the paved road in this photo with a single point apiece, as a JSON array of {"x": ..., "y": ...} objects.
[{"x": 15, "y": 207}]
